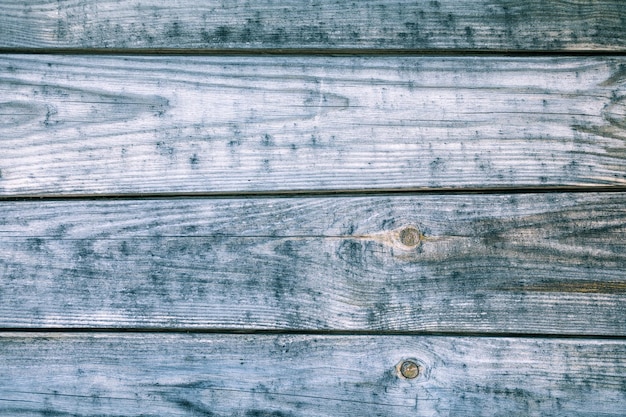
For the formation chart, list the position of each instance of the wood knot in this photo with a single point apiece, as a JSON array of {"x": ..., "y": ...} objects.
[
  {"x": 410, "y": 236},
  {"x": 408, "y": 369}
]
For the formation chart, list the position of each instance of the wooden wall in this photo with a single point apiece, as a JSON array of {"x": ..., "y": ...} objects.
[{"x": 312, "y": 208}]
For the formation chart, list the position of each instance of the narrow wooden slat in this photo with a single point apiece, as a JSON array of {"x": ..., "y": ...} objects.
[
  {"x": 241, "y": 375},
  {"x": 539, "y": 263},
  {"x": 98, "y": 125},
  {"x": 291, "y": 24}
]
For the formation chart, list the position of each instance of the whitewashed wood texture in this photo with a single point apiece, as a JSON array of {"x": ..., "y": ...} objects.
[
  {"x": 63, "y": 374},
  {"x": 120, "y": 294},
  {"x": 81, "y": 125},
  {"x": 536, "y": 25},
  {"x": 527, "y": 263}
]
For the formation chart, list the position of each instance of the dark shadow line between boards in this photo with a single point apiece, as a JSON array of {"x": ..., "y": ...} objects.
[
  {"x": 42, "y": 331},
  {"x": 346, "y": 193},
  {"x": 315, "y": 52}
]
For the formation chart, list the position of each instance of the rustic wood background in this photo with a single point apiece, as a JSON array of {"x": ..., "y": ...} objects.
[{"x": 267, "y": 208}]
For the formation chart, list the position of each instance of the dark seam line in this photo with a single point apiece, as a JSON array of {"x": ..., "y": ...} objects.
[
  {"x": 311, "y": 51},
  {"x": 316, "y": 193},
  {"x": 304, "y": 332}
]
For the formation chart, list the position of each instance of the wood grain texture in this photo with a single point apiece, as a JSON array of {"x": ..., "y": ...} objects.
[
  {"x": 529, "y": 263},
  {"x": 291, "y": 24},
  {"x": 126, "y": 125},
  {"x": 279, "y": 376}
]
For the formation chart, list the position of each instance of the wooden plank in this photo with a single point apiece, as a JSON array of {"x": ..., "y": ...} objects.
[
  {"x": 263, "y": 375},
  {"x": 537, "y": 263},
  {"x": 100, "y": 125},
  {"x": 291, "y": 24}
]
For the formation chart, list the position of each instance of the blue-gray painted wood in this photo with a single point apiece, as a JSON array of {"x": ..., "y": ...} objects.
[
  {"x": 548, "y": 263},
  {"x": 61, "y": 374},
  {"x": 130, "y": 125},
  {"x": 557, "y": 25}
]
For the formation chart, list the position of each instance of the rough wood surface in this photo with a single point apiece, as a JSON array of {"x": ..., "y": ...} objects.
[
  {"x": 556, "y": 25},
  {"x": 151, "y": 292},
  {"x": 98, "y": 125},
  {"x": 262, "y": 375},
  {"x": 530, "y": 263}
]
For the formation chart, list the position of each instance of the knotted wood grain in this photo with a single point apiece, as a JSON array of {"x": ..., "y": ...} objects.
[
  {"x": 300, "y": 25},
  {"x": 530, "y": 263},
  {"x": 63, "y": 374},
  {"x": 130, "y": 125}
]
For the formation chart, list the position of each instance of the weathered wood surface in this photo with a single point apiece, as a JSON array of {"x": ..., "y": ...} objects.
[
  {"x": 530, "y": 263},
  {"x": 64, "y": 374},
  {"x": 140, "y": 289},
  {"x": 292, "y": 24},
  {"x": 126, "y": 125}
]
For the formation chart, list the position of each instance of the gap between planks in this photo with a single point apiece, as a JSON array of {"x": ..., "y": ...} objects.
[
  {"x": 314, "y": 52},
  {"x": 317, "y": 193},
  {"x": 306, "y": 332}
]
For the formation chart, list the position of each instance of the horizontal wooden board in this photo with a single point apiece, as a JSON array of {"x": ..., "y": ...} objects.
[
  {"x": 126, "y": 125},
  {"x": 260, "y": 375},
  {"x": 538, "y": 263},
  {"x": 292, "y": 24}
]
